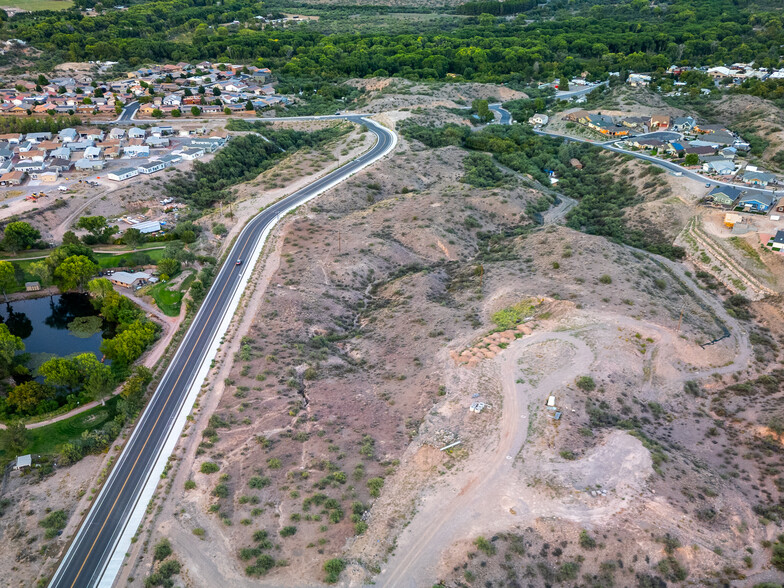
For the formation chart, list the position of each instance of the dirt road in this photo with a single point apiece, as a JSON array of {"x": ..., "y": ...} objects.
[{"x": 441, "y": 520}]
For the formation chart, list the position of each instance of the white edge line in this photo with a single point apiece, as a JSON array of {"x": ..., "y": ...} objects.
[{"x": 123, "y": 542}]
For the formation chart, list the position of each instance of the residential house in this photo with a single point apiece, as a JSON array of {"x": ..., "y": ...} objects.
[
  {"x": 12, "y": 138},
  {"x": 92, "y": 153},
  {"x": 724, "y": 195},
  {"x": 90, "y": 133},
  {"x": 777, "y": 243},
  {"x": 117, "y": 133},
  {"x": 172, "y": 100},
  {"x": 147, "y": 227},
  {"x": 700, "y": 150},
  {"x": 136, "y": 151},
  {"x": 157, "y": 142},
  {"x": 5, "y": 154},
  {"x": 539, "y": 119},
  {"x": 136, "y": 133},
  {"x": 58, "y": 164},
  {"x": 38, "y": 137},
  {"x": 720, "y": 72},
  {"x": 209, "y": 144},
  {"x": 133, "y": 280},
  {"x": 729, "y": 152},
  {"x": 756, "y": 202},
  {"x": 49, "y": 176},
  {"x": 89, "y": 164},
  {"x": 14, "y": 178},
  {"x": 191, "y": 153},
  {"x": 151, "y": 167},
  {"x": 68, "y": 135},
  {"x": 161, "y": 131},
  {"x": 683, "y": 123},
  {"x": 722, "y": 167},
  {"x": 33, "y": 155},
  {"x": 123, "y": 174},
  {"x": 660, "y": 122},
  {"x": 170, "y": 159},
  {"x": 30, "y": 167},
  {"x": 61, "y": 153},
  {"x": 637, "y": 122},
  {"x": 638, "y": 80},
  {"x": 80, "y": 145},
  {"x": 758, "y": 178},
  {"x": 647, "y": 143}
]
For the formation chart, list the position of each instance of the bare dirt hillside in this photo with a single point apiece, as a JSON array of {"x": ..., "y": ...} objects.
[{"x": 397, "y": 300}]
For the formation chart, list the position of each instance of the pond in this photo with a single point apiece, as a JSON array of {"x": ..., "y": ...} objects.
[{"x": 57, "y": 325}]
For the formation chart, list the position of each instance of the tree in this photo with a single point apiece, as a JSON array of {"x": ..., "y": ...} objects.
[
  {"x": 157, "y": 113},
  {"x": 692, "y": 159},
  {"x": 94, "y": 225},
  {"x": 195, "y": 110},
  {"x": 19, "y": 235},
  {"x": 7, "y": 278},
  {"x": 216, "y": 91},
  {"x": 168, "y": 266},
  {"x": 41, "y": 270},
  {"x": 227, "y": 111},
  {"x": 563, "y": 84},
  {"x": 9, "y": 345},
  {"x": 100, "y": 382},
  {"x": 70, "y": 238},
  {"x": 249, "y": 105},
  {"x": 482, "y": 110},
  {"x": 188, "y": 236},
  {"x": 16, "y": 435},
  {"x": 99, "y": 289},
  {"x": 42, "y": 81},
  {"x": 133, "y": 238},
  {"x": 62, "y": 372},
  {"x": 74, "y": 272},
  {"x": 176, "y": 113},
  {"x": 129, "y": 344},
  {"x": 28, "y": 396}
]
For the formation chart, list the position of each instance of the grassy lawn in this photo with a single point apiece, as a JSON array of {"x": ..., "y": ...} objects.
[
  {"x": 48, "y": 440},
  {"x": 109, "y": 260},
  {"x": 39, "y": 4},
  {"x": 167, "y": 300}
]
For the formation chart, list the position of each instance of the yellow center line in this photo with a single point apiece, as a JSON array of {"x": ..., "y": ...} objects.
[{"x": 155, "y": 424}]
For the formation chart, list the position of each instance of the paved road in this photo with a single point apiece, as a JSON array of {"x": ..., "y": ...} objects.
[
  {"x": 127, "y": 114},
  {"x": 580, "y": 91},
  {"x": 93, "y": 545}
]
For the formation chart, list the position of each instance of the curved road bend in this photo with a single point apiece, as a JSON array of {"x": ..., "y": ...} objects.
[{"x": 92, "y": 547}]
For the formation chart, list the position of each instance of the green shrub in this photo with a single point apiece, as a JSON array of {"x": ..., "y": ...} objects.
[
  {"x": 586, "y": 383},
  {"x": 209, "y": 467},
  {"x": 162, "y": 550},
  {"x": 334, "y": 567},
  {"x": 288, "y": 531},
  {"x": 485, "y": 546}
]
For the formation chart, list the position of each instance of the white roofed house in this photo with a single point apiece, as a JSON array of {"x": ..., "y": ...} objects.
[
  {"x": 151, "y": 167},
  {"x": 61, "y": 153},
  {"x": 137, "y": 150},
  {"x": 172, "y": 100},
  {"x": 136, "y": 133},
  {"x": 157, "y": 142},
  {"x": 117, "y": 133},
  {"x": 133, "y": 280},
  {"x": 147, "y": 227},
  {"x": 68, "y": 135},
  {"x": 92, "y": 153},
  {"x": 122, "y": 174},
  {"x": 89, "y": 164},
  {"x": 192, "y": 153}
]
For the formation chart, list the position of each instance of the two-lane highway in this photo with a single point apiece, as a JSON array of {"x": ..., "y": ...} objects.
[{"x": 86, "y": 560}]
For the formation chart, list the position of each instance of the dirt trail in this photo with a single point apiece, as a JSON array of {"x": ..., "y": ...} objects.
[{"x": 443, "y": 520}]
